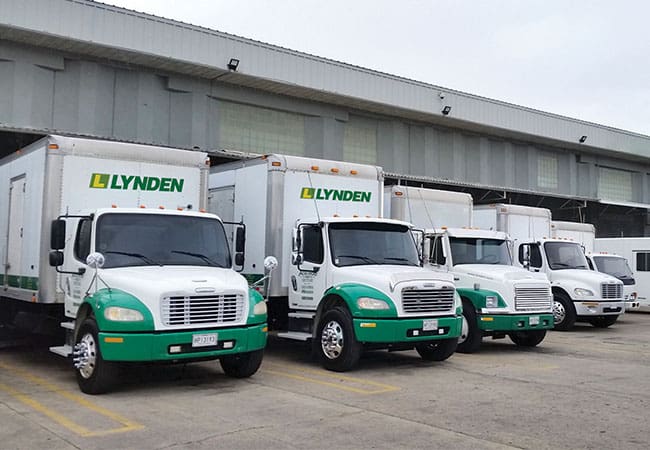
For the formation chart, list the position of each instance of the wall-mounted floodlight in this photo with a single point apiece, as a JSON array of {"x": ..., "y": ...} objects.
[
  {"x": 233, "y": 64},
  {"x": 583, "y": 139},
  {"x": 446, "y": 110}
]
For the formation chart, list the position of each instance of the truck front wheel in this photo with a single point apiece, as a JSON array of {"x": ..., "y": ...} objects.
[
  {"x": 528, "y": 338},
  {"x": 338, "y": 347},
  {"x": 603, "y": 321},
  {"x": 242, "y": 365},
  {"x": 94, "y": 375},
  {"x": 437, "y": 350},
  {"x": 470, "y": 335},
  {"x": 564, "y": 314}
]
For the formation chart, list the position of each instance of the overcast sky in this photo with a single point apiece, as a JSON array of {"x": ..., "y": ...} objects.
[{"x": 584, "y": 59}]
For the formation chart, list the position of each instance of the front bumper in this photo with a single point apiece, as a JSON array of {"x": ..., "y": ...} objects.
[
  {"x": 156, "y": 346},
  {"x": 405, "y": 330},
  {"x": 598, "y": 307},
  {"x": 512, "y": 322}
]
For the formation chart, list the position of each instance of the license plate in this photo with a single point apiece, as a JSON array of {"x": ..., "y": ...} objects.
[
  {"x": 204, "y": 340},
  {"x": 429, "y": 324},
  {"x": 534, "y": 320}
]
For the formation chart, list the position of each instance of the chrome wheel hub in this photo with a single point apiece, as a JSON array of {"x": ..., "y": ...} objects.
[
  {"x": 559, "y": 313},
  {"x": 331, "y": 340},
  {"x": 464, "y": 331},
  {"x": 85, "y": 355}
]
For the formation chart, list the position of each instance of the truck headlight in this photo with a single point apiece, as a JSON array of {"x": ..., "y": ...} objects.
[
  {"x": 371, "y": 303},
  {"x": 491, "y": 301},
  {"x": 119, "y": 314},
  {"x": 583, "y": 292},
  {"x": 259, "y": 309}
]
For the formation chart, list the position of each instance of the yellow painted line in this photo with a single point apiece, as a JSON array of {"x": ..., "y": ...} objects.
[
  {"x": 382, "y": 388},
  {"x": 128, "y": 425}
]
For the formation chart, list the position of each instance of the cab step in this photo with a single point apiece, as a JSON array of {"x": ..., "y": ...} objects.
[
  {"x": 295, "y": 335},
  {"x": 62, "y": 350}
]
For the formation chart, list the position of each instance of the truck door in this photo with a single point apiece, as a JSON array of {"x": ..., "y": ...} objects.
[
  {"x": 75, "y": 285},
  {"x": 15, "y": 233},
  {"x": 308, "y": 282}
]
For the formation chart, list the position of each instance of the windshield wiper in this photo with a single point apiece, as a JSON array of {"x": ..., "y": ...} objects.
[
  {"x": 135, "y": 255},
  {"x": 400, "y": 259},
  {"x": 198, "y": 255},
  {"x": 362, "y": 258}
]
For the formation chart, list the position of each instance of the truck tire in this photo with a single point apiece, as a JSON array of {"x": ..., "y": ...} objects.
[
  {"x": 242, "y": 365},
  {"x": 564, "y": 314},
  {"x": 529, "y": 338},
  {"x": 336, "y": 344},
  {"x": 94, "y": 375},
  {"x": 603, "y": 321},
  {"x": 437, "y": 350},
  {"x": 470, "y": 335}
]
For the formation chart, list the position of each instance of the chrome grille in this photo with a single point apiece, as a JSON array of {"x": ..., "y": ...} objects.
[
  {"x": 613, "y": 290},
  {"x": 427, "y": 300},
  {"x": 532, "y": 298},
  {"x": 202, "y": 309}
]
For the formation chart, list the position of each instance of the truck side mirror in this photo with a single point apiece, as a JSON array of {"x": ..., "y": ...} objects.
[
  {"x": 240, "y": 245},
  {"x": 57, "y": 234},
  {"x": 296, "y": 247},
  {"x": 524, "y": 255},
  {"x": 56, "y": 258}
]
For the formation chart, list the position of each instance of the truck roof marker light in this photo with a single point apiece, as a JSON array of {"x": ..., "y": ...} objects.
[
  {"x": 33, "y": 298},
  {"x": 334, "y": 170},
  {"x": 353, "y": 172},
  {"x": 161, "y": 207},
  {"x": 142, "y": 207},
  {"x": 355, "y": 215},
  {"x": 315, "y": 168},
  {"x": 179, "y": 209},
  {"x": 207, "y": 162},
  {"x": 335, "y": 215},
  {"x": 398, "y": 193},
  {"x": 276, "y": 163},
  {"x": 444, "y": 227},
  {"x": 113, "y": 205},
  {"x": 202, "y": 210},
  {"x": 53, "y": 146}
]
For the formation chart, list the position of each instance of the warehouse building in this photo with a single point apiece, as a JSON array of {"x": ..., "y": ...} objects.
[{"x": 83, "y": 68}]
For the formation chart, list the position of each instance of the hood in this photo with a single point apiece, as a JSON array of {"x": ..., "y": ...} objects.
[
  {"x": 577, "y": 278},
  {"x": 149, "y": 283},
  {"x": 498, "y": 272},
  {"x": 388, "y": 277}
]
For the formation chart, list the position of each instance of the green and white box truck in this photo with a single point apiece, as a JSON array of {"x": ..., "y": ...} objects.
[
  {"x": 579, "y": 294},
  {"x": 347, "y": 279},
  {"x": 499, "y": 299},
  {"x": 109, "y": 239}
]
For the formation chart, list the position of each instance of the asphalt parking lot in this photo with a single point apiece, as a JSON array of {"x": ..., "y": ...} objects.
[{"x": 588, "y": 388}]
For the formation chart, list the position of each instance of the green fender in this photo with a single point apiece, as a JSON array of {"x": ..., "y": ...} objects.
[
  {"x": 477, "y": 297},
  {"x": 254, "y": 298},
  {"x": 350, "y": 292},
  {"x": 105, "y": 298}
]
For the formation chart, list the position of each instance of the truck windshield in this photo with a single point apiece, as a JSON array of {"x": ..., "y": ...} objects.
[
  {"x": 354, "y": 244},
  {"x": 614, "y": 266},
  {"x": 479, "y": 251},
  {"x": 565, "y": 255},
  {"x": 158, "y": 239}
]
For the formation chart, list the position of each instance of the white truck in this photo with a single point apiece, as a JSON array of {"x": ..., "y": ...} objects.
[
  {"x": 636, "y": 250},
  {"x": 498, "y": 298},
  {"x": 347, "y": 279},
  {"x": 605, "y": 262},
  {"x": 108, "y": 240},
  {"x": 579, "y": 294}
]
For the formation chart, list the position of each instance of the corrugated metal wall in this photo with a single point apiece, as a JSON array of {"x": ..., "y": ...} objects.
[{"x": 56, "y": 92}]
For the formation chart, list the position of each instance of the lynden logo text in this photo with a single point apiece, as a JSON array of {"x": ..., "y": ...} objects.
[
  {"x": 135, "y": 183},
  {"x": 335, "y": 194}
]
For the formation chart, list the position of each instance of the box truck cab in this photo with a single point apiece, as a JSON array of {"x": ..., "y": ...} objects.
[
  {"x": 499, "y": 299},
  {"x": 579, "y": 294},
  {"x": 616, "y": 266},
  {"x": 113, "y": 244},
  {"x": 636, "y": 250},
  {"x": 347, "y": 279}
]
